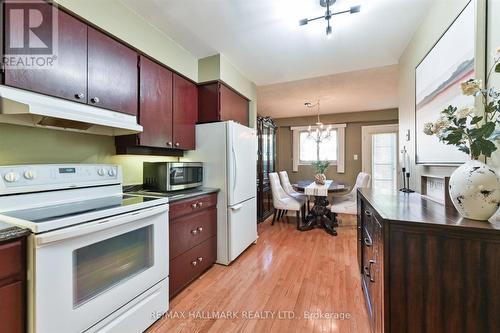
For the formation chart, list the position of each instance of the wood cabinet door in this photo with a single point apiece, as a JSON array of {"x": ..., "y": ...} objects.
[
  {"x": 232, "y": 106},
  {"x": 12, "y": 308},
  {"x": 67, "y": 77},
  {"x": 185, "y": 113},
  {"x": 112, "y": 74},
  {"x": 155, "y": 104}
]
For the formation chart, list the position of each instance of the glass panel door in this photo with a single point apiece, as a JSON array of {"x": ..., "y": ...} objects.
[
  {"x": 384, "y": 160},
  {"x": 102, "y": 265}
]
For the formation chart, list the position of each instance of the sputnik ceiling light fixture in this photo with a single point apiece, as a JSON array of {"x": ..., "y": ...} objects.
[{"x": 328, "y": 14}]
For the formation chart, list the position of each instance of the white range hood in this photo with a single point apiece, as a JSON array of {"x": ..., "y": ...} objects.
[{"x": 27, "y": 108}]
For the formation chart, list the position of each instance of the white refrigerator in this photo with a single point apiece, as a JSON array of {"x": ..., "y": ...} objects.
[{"x": 228, "y": 151}]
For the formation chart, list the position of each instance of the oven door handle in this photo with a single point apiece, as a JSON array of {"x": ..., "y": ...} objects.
[{"x": 99, "y": 225}]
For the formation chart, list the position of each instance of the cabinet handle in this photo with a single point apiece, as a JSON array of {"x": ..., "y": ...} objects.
[
  {"x": 194, "y": 205},
  {"x": 200, "y": 229},
  {"x": 368, "y": 242},
  {"x": 194, "y": 263},
  {"x": 79, "y": 96},
  {"x": 169, "y": 144},
  {"x": 370, "y": 263},
  {"x": 200, "y": 259},
  {"x": 200, "y": 204},
  {"x": 94, "y": 100},
  {"x": 366, "y": 270},
  {"x": 177, "y": 144},
  {"x": 368, "y": 213},
  {"x": 194, "y": 231}
]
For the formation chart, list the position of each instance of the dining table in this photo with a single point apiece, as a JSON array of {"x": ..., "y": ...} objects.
[{"x": 320, "y": 216}]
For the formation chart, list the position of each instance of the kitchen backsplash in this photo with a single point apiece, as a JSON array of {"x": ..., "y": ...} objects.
[{"x": 25, "y": 145}]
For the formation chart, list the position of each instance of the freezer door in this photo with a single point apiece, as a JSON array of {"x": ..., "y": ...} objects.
[
  {"x": 242, "y": 223},
  {"x": 242, "y": 166}
]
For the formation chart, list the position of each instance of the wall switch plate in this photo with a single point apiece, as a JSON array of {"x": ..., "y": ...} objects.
[{"x": 355, "y": 157}]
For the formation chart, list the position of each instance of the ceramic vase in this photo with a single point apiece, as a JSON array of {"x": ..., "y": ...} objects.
[
  {"x": 320, "y": 179},
  {"x": 475, "y": 190}
]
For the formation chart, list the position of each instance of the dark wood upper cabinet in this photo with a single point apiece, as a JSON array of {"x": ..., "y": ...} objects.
[
  {"x": 155, "y": 104},
  {"x": 112, "y": 74},
  {"x": 218, "y": 102},
  {"x": 68, "y": 76},
  {"x": 185, "y": 113}
]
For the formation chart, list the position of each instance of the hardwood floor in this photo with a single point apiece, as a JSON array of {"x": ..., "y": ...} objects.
[{"x": 288, "y": 273}]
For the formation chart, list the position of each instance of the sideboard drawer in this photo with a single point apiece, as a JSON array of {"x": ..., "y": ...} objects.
[
  {"x": 194, "y": 205},
  {"x": 191, "y": 230},
  {"x": 189, "y": 265}
]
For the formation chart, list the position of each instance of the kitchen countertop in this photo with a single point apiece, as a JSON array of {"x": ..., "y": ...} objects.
[
  {"x": 174, "y": 195},
  {"x": 8, "y": 232}
]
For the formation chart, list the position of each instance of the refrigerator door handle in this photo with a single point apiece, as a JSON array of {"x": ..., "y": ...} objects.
[
  {"x": 235, "y": 168},
  {"x": 236, "y": 207}
]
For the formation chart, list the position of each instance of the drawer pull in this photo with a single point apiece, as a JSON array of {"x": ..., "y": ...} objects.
[
  {"x": 367, "y": 241},
  {"x": 194, "y": 263},
  {"x": 200, "y": 259},
  {"x": 368, "y": 213},
  {"x": 194, "y": 231},
  {"x": 370, "y": 263},
  {"x": 200, "y": 229},
  {"x": 194, "y": 205},
  {"x": 200, "y": 204}
]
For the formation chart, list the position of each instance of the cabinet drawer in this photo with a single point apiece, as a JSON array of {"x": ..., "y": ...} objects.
[
  {"x": 11, "y": 259},
  {"x": 191, "y": 230},
  {"x": 193, "y": 205},
  {"x": 191, "y": 264},
  {"x": 12, "y": 308}
]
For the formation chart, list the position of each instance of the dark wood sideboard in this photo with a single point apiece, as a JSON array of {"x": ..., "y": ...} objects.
[{"x": 424, "y": 268}]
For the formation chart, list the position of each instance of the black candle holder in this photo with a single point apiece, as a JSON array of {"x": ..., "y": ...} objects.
[{"x": 406, "y": 182}]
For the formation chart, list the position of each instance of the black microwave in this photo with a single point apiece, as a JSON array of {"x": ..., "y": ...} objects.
[{"x": 172, "y": 176}]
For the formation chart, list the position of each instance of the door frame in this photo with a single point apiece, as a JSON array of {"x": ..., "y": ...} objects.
[{"x": 366, "y": 132}]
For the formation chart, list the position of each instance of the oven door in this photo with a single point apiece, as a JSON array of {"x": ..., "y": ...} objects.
[
  {"x": 184, "y": 175},
  {"x": 83, "y": 274}
]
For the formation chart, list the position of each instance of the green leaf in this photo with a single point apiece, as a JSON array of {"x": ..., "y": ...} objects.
[
  {"x": 465, "y": 149},
  {"x": 476, "y": 119},
  {"x": 475, "y": 148},
  {"x": 497, "y": 68},
  {"x": 487, "y": 147}
]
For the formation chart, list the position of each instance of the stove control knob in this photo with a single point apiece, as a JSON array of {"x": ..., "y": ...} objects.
[
  {"x": 11, "y": 177},
  {"x": 112, "y": 172},
  {"x": 101, "y": 172},
  {"x": 28, "y": 174}
]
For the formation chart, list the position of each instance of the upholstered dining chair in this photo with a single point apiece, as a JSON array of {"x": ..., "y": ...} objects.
[
  {"x": 287, "y": 186},
  {"x": 346, "y": 204},
  {"x": 282, "y": 202}
]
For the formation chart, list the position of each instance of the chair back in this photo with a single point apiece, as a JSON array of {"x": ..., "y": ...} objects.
[
  {"x": 285, "y": 182},
  {"x": 278, "y": 193},
  {"x": 362, "y": 181}
]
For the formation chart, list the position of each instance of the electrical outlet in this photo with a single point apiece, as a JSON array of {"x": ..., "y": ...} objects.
[{"x": 355, "y": 157}]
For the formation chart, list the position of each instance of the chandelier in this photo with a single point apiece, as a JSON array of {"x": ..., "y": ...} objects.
[{"x": 319, "y": 133}]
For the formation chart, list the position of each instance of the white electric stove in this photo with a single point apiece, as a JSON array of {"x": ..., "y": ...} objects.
[{"x": 98, "y": 258}]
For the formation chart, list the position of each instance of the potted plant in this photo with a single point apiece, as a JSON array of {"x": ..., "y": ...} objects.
[
  {"x": 474, "y": 187},
  {"x": 320, "y": 168}
]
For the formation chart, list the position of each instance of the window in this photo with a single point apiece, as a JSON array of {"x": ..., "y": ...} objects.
[
  {"x": 310, "y": 151},
  {"x": 306, "y": 150}
]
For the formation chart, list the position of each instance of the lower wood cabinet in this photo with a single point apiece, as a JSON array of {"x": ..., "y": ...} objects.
[
  {"x": 13, "y": 286},
  {"x": 193, "y": 239},
  {"x": 424, "y": 268}
]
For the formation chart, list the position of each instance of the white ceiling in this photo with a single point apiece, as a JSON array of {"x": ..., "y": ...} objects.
[
  {"x": 262, "y": 37},
  {"x": 371, "y": 89}
]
